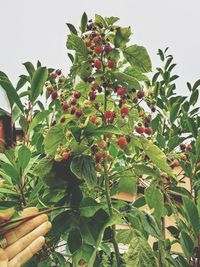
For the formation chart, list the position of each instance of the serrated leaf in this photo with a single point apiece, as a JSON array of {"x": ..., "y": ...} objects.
[
  {"x": 100, "y": 20},
  {"x": 138, "y": 57},
  {"x": 111, "y": 20},
  {"x": 76, "y": 43},
  {"x": 131, "y": 81},
  {"x": 124, "y": 236},
  {"x": 39, "y": 78},
  {"x": 122, "y": 37},
  {"x": 102, "y": 130},
  {"x": 137, "y": 74},
  {"x": 139, "y": 253},
  {"x": 84, "y": 168},
  {"x": 43, "y": 167}
]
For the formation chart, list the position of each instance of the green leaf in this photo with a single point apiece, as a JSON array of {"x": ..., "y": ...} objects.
[
  {"x": 43, "y": 167},
  {"x": 83, "y": 255},
  {"x": 192, "y": 213},
  {"x": 138, "y": 57},
  {"x": 55, "y": 136},
  {"x": 39, "y": 78},
  {"x": 124, "y": 236},
  {"x": 156, "y": 155},
  {"x": 197, "y": 146},
  {"x": 24, "y": 156},
  {"x": 102, "y": 130},
  {"x": 72, "y": 28},
  {"x": 131, "y": 81},
  {"x": 174, "y": 112},
  {"x": 76, "y": 43},
  {"x": 187, "y": 244},
  {"x": 11, "y": 93},
  {"x": 74, "y": 240},
  {"x": 122, "y": 37},
  {"x": 196, "y": 85},
  {"x": 100, "y": 20},
  {"x": 11, "y": 171},
  {"x": 137, "y": 74},
  {"x": 194, "y": 97},
  {"x": 153, "y": 197},
  {"x": 22, "y": 81},
  {"x": 111, "y": 20},
  {"x": 30, "y": 68},
  {"x": 38, "y": 118},
  {"x": 84, "y": 168},
  {"x": 127, "y": 183},
  {"x": 139, "y": 253},
  {"x": 88, "y": 207},
  {"x": 84, "y": 21}
]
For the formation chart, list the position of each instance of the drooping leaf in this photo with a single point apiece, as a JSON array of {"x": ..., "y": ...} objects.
[
  {"x": 187, "y": 244},
  {"x": 139, "y": 253},
  {"x": 138, "y": 57},
  {"x": 39, "y": 78},
  {"x": 84, "y": 168},
  {"x": 24, "y": 156}
]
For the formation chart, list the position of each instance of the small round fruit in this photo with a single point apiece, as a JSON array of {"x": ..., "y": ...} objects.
[
  {"x": 140, "y": 94},
  {"x": 111, "y": 64},
  {"x": 174, "y": 164},
  {"x": 92, "y": 95},
  {"x": 96, "y": 39},
  {"x": 50, "y": 88},
  {"x": 109, "y": 135},
  {"x": 65, "y": 106},
  {"x": 98, "y": 156},
  {"x": 53, "y": 75},
  {"x": 102, "y": 144},
  {"x": 140, "y": 129},
  {"x": 73, "y": 101},
  {"x": 58, "y": 157},
  {"x": 107, "y": 48},
  {"x": 95, "y": 86},
  {"x": 122, "y": 142},
  {"x": 124, "y": 111},
  {"x": 79, "y": 112},
  {"x": 153, "y": 109},
  {"x": 62, "y": 119},
  {"x": 58, "y": 72},
  {"x": 65, "y": 155},
  {"x": 108, "y": 114},
  {"x": 121, "y": 91},
  {"x": 98, "y": 64},
  {"x": 98, "y": 49},
  {"x": 148, "y": 131},
  {"x": 182, "y": 146},
  {"x": 189, "y": 147},
  {"x": 72, "y": 110},
  {"x": 77, "y": 95},
  {"x": 54, "y": 94},
  {"x": 183, "y": 156}
]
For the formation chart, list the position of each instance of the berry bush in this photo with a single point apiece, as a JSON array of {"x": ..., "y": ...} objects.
[{"x": 105, "y": 128}]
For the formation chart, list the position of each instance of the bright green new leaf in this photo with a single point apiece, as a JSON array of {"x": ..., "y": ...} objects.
[
  {"x": 39, "y": 78},
  {"x": 138, "y": 57}
]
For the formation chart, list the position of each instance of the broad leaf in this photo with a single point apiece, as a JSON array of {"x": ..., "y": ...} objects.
[
  {"x": 187, "y": 244},
  {"x": 122, "y": 37},
  {"x": 130, "y": 80},
  {"x": 30, "y": 68},
  {"x": 127, "y": 183},
  {"x": 102, "y": 130},
  {"x": 138, "y": 57},
  {"x": 76, "y": 43},
  {"x": 39, "y": 78},
  {"x": 84, "y": 168},
  {"x": 24, "y": 156},
  {"x": 89, "y": 206}
]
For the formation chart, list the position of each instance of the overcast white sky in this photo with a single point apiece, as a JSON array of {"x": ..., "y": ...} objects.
[{"x": 35, "y": 29}]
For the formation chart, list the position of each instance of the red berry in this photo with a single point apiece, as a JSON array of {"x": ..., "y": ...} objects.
[
  {"x": 97, "y": 39},
  {"x": 140, "y": 94},
  {"x": 140, "y": 129},
  {"x": 121, "y": 90},
  {"x": 124, "y": 111},
  {"x": 62, "y": 119},
  {"x": 58, "y": 72},
  {"x": 111, "y": 64},
  {"x": 77, "y": 95},
  {"x": 73, "y": 101},
  {"x": 102, "y": 144},
  {"x": 54, "y": 95},
  {"x": 65, "y": 106},
  {"x": 72, "y": 110},
  {"x": 182, "y": 146},
  {"x": 122, "y": 142},
  {"x": 98, "y": 49},
  {"x": 78, "y": 112},
  {"x": 98, "y": 64},
  {"x": 92, "y": 95},
  {"x": 175, "y": 164},
  {"x": 108, "y": 114},
  {"x": 107, "y": 48},
  {"x": 93, "y": 119},
  {"x": 95, "y": 86},
  {"x": 88, "y": 44},
  {"x": 189, "y": 147},
  {"x": 65, "y": 155},
  {"x": 53, "y": 75},
  {"x": 98, "y": 156},
  {"x": 148, "y": 131}
]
